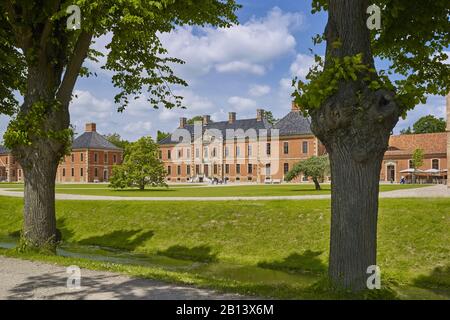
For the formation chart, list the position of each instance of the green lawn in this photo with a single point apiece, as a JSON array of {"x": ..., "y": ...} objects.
[
  {"x": 207, "y": 191},
  {"x": 267, "y": 248}
]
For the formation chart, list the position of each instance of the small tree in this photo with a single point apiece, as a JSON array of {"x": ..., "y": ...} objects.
[
  {"x": 269, "y": 117},
  {"x": 141, "y": 166},
  {"x": 314, "y": 167},
  {"x": 417, "y": 162}
]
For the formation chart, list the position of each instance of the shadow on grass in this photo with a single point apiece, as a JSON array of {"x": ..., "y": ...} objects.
[
  {"x": 308, "y": 262},
  {"x": 200, "y": 253},
  {"x": 121, "y": 239},
  {"x": 437, "y": 281}
]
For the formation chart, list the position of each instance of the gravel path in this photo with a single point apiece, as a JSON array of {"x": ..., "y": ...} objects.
[
  {"x": 437, "y": 191},
  {"x": 22, "y": 279}
]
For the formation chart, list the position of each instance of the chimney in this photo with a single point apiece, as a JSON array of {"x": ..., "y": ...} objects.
[
  {"x": 295, "y": 107},
  {"x": 206, "y": 119},
  {"x": 91, "y": 127},
  {"x": 231, "y": 117},
  {"x": 259, "y": 114},
  {"x": 183, "y": 122}
]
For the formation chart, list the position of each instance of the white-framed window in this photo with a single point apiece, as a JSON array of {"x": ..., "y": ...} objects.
[
  {"x": 249, "y": 150},
  {"x": 435, "y": 164},
  {"x": 238, "y": 151}
]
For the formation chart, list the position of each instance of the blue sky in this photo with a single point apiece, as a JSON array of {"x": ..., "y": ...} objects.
[{"x": 240, "y": 69}]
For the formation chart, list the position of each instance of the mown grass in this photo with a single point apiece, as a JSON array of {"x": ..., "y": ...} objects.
[
  {"x": 208, "y": 191},
  {"x": 265, "y": 248}
]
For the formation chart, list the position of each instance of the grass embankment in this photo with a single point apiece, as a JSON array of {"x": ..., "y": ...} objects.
[
  {"x": 204, "y": 191},
  {"x": 267, "y": 248}
]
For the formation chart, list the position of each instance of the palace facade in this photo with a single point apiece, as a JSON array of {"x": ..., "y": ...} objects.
[
  {"x": 91, "y": 160},
  {"x": 253, "y": 150},
  {"x": 238, "y": 150}
]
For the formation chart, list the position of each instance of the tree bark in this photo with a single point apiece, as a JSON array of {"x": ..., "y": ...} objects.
[
  {"x": 39, "y": 161},
  {"x": 316, "y": 183},
  {"x": 39, "y": 226},
  {"x": 354, "y": 124},
  {"x": 51, "y": 78}
]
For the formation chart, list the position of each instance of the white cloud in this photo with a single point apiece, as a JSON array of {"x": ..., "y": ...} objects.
[
  {"x": 240, "y": 103},
  {"x": 259, "y": 90},
  {"x": 246, "y": 47},
  {"x": 142, "y": 127},
  {"x": 435, "y": 106},
  {"x": 301, "y": 66},
  {"x": 195, "y": 105},
  {"x": 85, "y": 106},
  {"x": 240, "y": 66}
]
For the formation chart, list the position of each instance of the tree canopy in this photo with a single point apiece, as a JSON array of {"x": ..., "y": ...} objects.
[
  {"x": 194, "y": 119},
  {"x": 141, "y": 166},
  {"x": 161, "y": 135},
  {"x": 41, "y": 59},
  {"x": 415, "y": 53},
  {"x": 429, "y": 124},
  {"x": 117, "y": 140},
  {"x": 315, "y": 167}
]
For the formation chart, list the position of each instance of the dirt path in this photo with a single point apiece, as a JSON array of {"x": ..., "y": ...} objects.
[
  {"x": 437, "y": 191},
  {"x": 22, "y": 279}
]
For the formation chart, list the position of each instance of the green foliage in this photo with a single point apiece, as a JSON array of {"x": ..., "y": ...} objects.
[
  {"x": 269, "y": 117},
  {"x": 417, "y": 158},
  {"x": 24, "y": 127},
  {"x": 194, "y": 119},
  {"x": 161, "y": 135},
  {"x": 141, "y": 166},
  {"x": 324, "y": 82},
  {"x": 34, "y": 38},
  {"x": 429, "y": 124},
  {"x": 117, "y": 140},
  {"x": 406, "y": 131},
  {"x": 314, "y": 167},
  {"x": 415, "y": 51}
]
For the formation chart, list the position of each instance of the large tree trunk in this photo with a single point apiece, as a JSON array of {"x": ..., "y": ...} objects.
[
  {"x": 354, "y": 124},
  {"x": 39, "y": 226},
  {"x": 39, "y": 160}
]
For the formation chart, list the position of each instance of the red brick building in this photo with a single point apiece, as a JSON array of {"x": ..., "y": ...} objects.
[
  {"x": 91, "y": 160},
  {"x": 238, "y": 150},
  {"x": 398, "y": 158},
  {"x": 191, "y": 154}
]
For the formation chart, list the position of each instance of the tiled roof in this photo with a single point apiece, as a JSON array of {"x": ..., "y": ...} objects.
[
  {"x": 93, "y": 140},
  {"x": 88, "y": 140},
  {"x": 3, "y": 150},
  {"x": 430, "y": 143},
  {"x": 222, "y": 126},
  {"x": 293, "y": 124}
]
